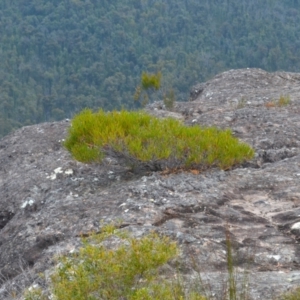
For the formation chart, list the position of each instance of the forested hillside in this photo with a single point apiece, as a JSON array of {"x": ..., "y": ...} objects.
[{"x": 60, "y": 56}]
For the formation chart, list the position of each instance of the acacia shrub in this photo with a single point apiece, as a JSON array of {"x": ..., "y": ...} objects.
[{"x": 129, "y": 271}]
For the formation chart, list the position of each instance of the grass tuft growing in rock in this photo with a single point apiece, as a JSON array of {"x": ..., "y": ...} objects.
[
  {"x": 282, "y": 101},
  {"x": 148, "y": 139}
]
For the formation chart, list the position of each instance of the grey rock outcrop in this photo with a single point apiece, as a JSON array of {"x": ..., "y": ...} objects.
[{"x": 48, "y": 200}]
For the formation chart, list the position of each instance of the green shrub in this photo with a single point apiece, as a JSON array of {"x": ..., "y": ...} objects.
[
  {"x": 148, "y": 139},
  {"x": 129, "y": 271},
  {"x": 151, "y": 81}
]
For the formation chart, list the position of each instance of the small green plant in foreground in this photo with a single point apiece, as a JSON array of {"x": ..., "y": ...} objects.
[
  {"x": 129, "y": 271},
  {"x": 146, "y": 138}
]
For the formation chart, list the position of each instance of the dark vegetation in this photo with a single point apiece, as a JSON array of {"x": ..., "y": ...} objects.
[{"x": 58, "y": 57}]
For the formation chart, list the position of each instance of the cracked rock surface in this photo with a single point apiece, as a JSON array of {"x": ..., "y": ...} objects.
[{"x": 48, "y": 200}]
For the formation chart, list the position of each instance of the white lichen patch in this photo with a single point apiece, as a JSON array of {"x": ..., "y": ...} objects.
[
  {"x": 274, "y": 257},
  {"x": 29, "y": 202},
  {"x": 52, "y": 176},
  {"x": 69, "y": 172},
  {"x": 33, "y": 287},
  {"x": 59, "y": 170}
]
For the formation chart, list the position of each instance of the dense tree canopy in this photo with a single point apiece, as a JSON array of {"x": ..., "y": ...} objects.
[{"x": 58, "y": 57}]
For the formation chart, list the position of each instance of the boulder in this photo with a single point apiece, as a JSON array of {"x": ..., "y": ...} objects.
[{"x": 48, "y": 200}]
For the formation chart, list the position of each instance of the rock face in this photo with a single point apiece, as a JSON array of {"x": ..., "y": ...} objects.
[{"x": 48, "y": 200}]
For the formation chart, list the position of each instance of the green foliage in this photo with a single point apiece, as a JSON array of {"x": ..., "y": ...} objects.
[
  {"x": 169, "y": 99},
  {"x": 148, "y": 82},
  {"x": 58, "y": 57},
  {"x": 35, "y": 293},
  {"x": 146, "y": 138},
  {"x": 130, "y": 271},
  {"x": 151, "y": 81}
]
